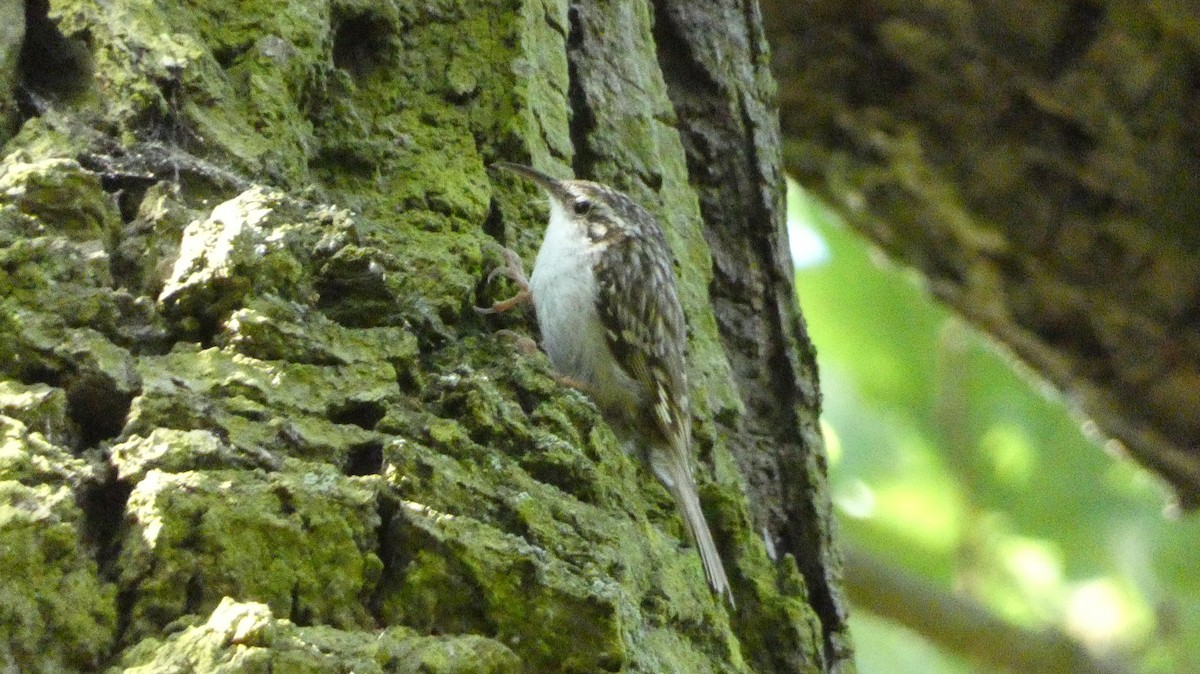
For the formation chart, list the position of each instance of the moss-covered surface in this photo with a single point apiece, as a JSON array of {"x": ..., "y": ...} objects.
[
  {"x": 252, "y": 421},
  {"x": 302, "y": 540},
  {"x": 247, "y": 637},
  {"x": 56, "y": 612}
]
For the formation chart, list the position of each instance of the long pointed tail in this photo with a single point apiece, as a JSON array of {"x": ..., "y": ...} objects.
[{"x": 678, "y": 478}]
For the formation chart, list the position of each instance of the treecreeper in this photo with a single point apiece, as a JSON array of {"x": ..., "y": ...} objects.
[{"x": 612, "y": 325}]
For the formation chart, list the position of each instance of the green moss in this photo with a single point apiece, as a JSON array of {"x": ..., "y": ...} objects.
[
  {"x": 100, "y": 374},
  {"x": 457, "y": 568},
  {"x": 148, "y": 248},
  {"x": 62, "y": 196},
  {"x": 247, "y": 637},
  {"x": 271, "y": 408},
  {"x": 27, "y": 457},
  {"x": 463, "y": 575},
  {"x": 302, "y": 541},
  {"x": 297, "y": 387},
  {"x": 243, "y": 246},
  {"x": 77, "y": 273},
  {"x": 55, "y": 613},
  {"x": 12, "y": 39},
  {"x": 174, "y": 451},
  {"x": 57, "y": 272},
  {"x": 272, "y": 329},
  {"x": 41, "y": 408}
]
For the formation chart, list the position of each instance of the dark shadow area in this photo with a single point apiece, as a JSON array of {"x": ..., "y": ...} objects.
[{"x": 53, "y": 66}]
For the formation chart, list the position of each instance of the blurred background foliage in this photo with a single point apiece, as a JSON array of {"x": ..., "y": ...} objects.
[{"x": 982, "y": 521}]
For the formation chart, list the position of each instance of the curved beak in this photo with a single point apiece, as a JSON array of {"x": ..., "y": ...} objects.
[{"x": 552, "y": 186}]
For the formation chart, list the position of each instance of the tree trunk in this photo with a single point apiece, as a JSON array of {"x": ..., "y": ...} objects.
[
  {"x": 1037, "y": 163},
  {"x": 250, "y": 417}
]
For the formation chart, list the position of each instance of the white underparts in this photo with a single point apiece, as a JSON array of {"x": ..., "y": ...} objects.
[{"x": 564, "y": 291}]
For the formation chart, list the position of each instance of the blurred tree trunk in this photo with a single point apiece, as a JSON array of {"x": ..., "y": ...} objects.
[
  {"x": 249, "y": 414},
  {"x": 1036, "y": 162}
]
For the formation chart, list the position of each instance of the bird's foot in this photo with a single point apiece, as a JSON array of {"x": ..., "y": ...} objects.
[{"x": 514, "y": 270}]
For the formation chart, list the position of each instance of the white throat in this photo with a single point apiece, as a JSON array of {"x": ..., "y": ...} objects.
[{"x": 566, "y": 256}]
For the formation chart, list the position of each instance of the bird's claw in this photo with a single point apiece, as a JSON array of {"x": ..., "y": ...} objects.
[
  {"x": 514, "y": 270},
  {"x": 501, "y": 306}
]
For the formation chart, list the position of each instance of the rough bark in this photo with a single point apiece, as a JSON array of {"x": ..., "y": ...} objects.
[
  {"x": 715, "y": 60},
  {"x": 249, "y": 417},
  {"x": 1037, "y": 163}
]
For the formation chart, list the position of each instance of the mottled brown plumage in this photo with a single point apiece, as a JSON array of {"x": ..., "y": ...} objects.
[{"x": 610, "y": 317}]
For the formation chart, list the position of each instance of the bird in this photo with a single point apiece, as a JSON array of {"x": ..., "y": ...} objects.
[{"x": 611, "y": 322}]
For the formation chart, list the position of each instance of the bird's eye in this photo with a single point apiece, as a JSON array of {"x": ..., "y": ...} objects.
[{"x": 583, "y": 206}]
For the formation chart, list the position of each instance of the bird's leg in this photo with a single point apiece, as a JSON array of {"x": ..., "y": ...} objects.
[{"x": 514, "y": 270}]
